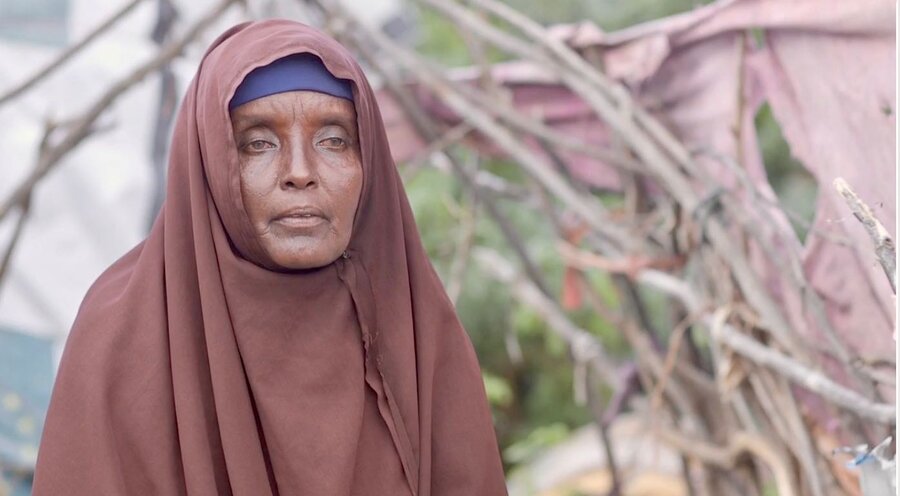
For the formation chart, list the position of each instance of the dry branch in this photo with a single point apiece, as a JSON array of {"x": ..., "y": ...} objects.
[
  {"x": 16, "y": 236},
  {"x": 586, "y": 351},
  {"x": 727, "y": 456},
  {"x": 430, "y": 131},
  {"x": 814, "y": 381},
  {"x": 585, "y": 348},
  {"x": 662, "y": 155},
  {"x": 771, "y": 358},
  {"x": 68, "y": 53},
  {"x": 586, "y": 207},
  {"x": 82, "y": 126},
  {"x": 884, "y": 244}
]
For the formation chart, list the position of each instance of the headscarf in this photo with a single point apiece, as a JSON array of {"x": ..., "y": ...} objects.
[{"x": 190, "y": 369}]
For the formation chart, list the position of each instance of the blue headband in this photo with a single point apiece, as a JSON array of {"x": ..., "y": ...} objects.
[{"x": 301, "y": 71}]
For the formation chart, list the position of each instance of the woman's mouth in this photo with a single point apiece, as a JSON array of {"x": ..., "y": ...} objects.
[{"x": 303, "y": 217}]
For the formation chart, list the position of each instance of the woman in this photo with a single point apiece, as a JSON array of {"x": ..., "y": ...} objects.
[{"x": 280, "y": 331}]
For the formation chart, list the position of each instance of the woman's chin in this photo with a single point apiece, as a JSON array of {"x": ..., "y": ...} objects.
[{"x": 295, "y": 258}]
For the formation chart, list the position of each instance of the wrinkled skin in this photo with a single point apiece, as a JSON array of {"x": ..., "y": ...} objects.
[{"x": 301, "y": 175}]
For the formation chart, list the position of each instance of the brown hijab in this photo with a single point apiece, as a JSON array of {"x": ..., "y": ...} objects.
[{"x": 192, "y": 370}]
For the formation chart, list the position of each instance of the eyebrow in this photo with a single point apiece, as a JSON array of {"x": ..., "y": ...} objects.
[{"x": 265, "y": 120}]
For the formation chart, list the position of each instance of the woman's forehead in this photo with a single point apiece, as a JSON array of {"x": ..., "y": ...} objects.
[{"x": 301, "y": 105}]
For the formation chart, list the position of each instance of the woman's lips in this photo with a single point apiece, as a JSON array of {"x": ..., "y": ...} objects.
[
  {"x": 301, "y": 218},
  {"x": 300, "y": 222}
]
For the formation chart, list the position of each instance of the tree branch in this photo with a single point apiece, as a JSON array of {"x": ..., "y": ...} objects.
[
  {"x": 81, "y": 127},
  {"x": 884, "y": 244},
  {"x": 68, "y": 53}
]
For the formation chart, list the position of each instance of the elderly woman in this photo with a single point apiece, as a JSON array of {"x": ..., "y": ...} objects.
[{"x": 281, "y": 330}]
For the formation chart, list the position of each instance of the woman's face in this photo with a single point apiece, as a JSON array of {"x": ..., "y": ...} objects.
[{"x": 301, "y": 175}]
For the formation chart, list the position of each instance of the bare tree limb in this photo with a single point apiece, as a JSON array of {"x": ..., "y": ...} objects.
[
  {"x": 571, "y": 58},
  {"x": 68, "y": 53},
  {"x": 726, "y": 457},
  {"x": 429, "y": 130},
  {"x": 650, "y": 141},
  {"x": 768, "y": 357},
  {"x": 16, "y": 235},
  {"x": 460, "y": 263},
  {"x": 583, "y": 345},
  {"x": 83, "y": 125},
  {"x": 808, "y": 378},
  {"x": 789, "y": 262},
  {"x": 585, "y": 349},
  {"x": 763, "y": 355},
  {"x": 884, "y": 244},
  {"x": 453, "y": 136},
  {"x": 597, "y": 411},
  {"x": 166, "y": 14},
  {"x": 589, "y": 209}
]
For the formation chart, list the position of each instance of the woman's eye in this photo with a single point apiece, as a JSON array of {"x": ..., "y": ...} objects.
[
  {"x": 333, "y": 143},
  {"x": 259, "y": 146}
]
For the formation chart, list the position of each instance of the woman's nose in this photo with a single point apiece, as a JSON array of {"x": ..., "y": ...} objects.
[{"x": 300, "y": 172}]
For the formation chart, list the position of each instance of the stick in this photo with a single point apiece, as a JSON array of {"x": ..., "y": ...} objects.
[
  {"x": 652, "y": 143},
  {"x": 586, "y": 207},
  {"x": 806, "y": 377},
  {"x": 16, "y": 235},
  {"x": 884, "y": 244},
  {"x": 82, "y": 126},
  {"x": 68, "y": 53},
  {"x": 584, "y": 346},
  {"x": 726, "y": 457},
  {"x": 429, "y": 130}
]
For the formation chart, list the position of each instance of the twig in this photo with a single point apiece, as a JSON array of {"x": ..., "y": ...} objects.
[
  {"x": 769, "y": 357},
  {"x": 453, "y": 136},
  {"x": 628, "y": 386},
  {"x": 651, "y": 142},
  {"x": 583, "y": 70},
  {"x": 629, "y": 265},
  {"x": 50, "y": 127},
  {"x": 800, "y": 441},
  {"x": 486, "y": 181},
  {"x": 757, "y": 196},
  {"x": 165, "y": 111},
  {"x": 789, "y": 263},
  {"x": 726, "y": 457},
  {"x": 525, "y": 124},
  {"x": 584, "y": 346},
  {"x": 83, "y": 125},
  {"x": 884, "y": 244},
  {"x": 650, "y": 367},
  {"x": 597, "y": 411},
  {"x": 16, "y": 235},
  {"x": 586, "y": 207},
  {"x": 68, "y": 53},
  {"x": 806, "y": 377},
  {"x": 468, "y": 220},
  {"x": 671, "y": 356},
  {"x": 429, "y": 130}
]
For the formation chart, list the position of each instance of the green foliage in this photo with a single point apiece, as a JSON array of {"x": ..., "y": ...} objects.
[
  {"x": 536, "y": 440},
  {"x": 795, "y": 187},
  {"x": 441, "y": 41},
  {"x": 770, "y": 490},
  {"x": 498, "y": 390},
  {"x": 609, "y": 14}
]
